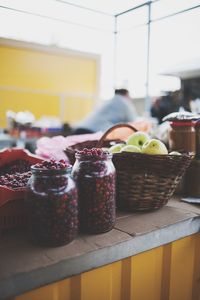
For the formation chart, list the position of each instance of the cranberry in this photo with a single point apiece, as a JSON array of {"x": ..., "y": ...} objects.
[{"x": 94, "y": 173}]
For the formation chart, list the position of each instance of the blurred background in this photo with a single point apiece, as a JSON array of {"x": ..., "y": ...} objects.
[{"x": 59, "y": 59}]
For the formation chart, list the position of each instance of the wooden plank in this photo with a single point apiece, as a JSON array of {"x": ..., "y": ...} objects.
[
  {"x": 147, "y": 275},
  {"x": 97, "y": 284},
  {"x": 126, "y": 279},
  {"x": 166, "y": 269},
  {"x": 75, "y": 292},
  {"x": 182, "y": 268},
  {"x": 137, "y": 224},
  {"x": 196, "y": 275},
  {"x": 116, "y": 281},
  {"x": 47, "y": 292}
]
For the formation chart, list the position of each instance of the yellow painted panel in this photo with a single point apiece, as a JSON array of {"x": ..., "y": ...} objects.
[
  {"x": 196, "y": 275},
  {"x": 29, "y": 70},
  {"x": 97, "y": 284},
  {"x": 166, "y": 268},
  {"x": 76, "y": 109},
  {"x": 116, "y": 288},
  {"x": 35, "y": 69},
  {"x": 146, "y": 275},
  {"x": 38, "y": 104},
  {"x": 182, "y": 267}
]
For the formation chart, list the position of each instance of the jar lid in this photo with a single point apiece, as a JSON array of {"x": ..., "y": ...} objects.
[
  {"x": 181, "y": 116},
  {"x": 183, "y": 123}
]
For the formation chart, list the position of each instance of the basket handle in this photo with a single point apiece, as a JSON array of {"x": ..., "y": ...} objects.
[{"x": 120, "y": 125}]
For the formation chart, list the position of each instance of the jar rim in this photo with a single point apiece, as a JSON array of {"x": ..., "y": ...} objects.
[
  {"x": 104, "y": 156},
  {"x": 41, "y": 171}
]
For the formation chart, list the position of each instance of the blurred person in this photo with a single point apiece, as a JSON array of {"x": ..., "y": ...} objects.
[
  {"x": 166, "y": 104},
  {"x": 119, "y": 109}
]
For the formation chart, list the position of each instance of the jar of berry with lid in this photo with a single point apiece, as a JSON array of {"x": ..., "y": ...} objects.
[
  {"x": 52, "y": 204},
  {"x": 182, "y": 135},
  {"x": 95, "y": 176}
]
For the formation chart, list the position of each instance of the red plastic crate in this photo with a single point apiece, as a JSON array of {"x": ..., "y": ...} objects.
[{"x": 12, "y": 211}]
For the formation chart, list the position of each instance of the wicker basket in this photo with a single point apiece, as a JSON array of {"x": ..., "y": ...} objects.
[
  {"x": 146, "y": 182},
  {"x": 70, "y": 151}
]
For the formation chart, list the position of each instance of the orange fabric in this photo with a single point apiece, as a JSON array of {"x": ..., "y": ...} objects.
[{"x": 123, "y": 133}]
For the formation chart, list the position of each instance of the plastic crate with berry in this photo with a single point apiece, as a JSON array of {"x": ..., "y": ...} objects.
[{"x": 15, "y": 172}]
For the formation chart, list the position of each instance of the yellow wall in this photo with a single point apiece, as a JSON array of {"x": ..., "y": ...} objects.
[
  {"x": 37, "y": 80},
  {"x": 170, "y": 272}
]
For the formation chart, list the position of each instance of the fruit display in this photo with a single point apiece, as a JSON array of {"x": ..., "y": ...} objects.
[
  {"x": 147, "y": 174},
  {"x": 94, "y": 173},
  {"x": 140, "y": 142},
  {"x": 52, "y": 203}
]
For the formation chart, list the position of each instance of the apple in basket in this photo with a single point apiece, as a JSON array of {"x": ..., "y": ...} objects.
[
  {"x": 175, "y": 153},
  {"x": 154, "y": 147},
  {"x": 131, "y": 148},
  {"x": 116, "y": 148},
  {"x": 137, "y": 139}
]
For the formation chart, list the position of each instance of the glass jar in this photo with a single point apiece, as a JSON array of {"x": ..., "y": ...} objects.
[
  {"x": 197, "y": 128},
  {"x": 192, "y": 186},
  {"x": 182, "y": 136},
  {"x": 95, "y": 177},
  {"x": 52, "y": 206}
]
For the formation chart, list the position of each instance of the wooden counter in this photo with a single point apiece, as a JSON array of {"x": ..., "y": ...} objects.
[{"x": 148, "y": 256}]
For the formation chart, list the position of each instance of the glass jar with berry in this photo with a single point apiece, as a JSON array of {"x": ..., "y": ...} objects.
[
  {"x": 95, "y": 175},
  {"x": 52, "y": 203}
]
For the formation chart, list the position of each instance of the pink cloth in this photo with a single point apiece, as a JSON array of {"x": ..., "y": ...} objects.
[
  {"x": 54, "y": 147},
  {"x": 74, "y": 139}
]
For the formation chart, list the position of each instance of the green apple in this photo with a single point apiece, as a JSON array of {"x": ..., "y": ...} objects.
[
  {"x": 137, "y": 139},
  {"x": 154, "y": 146},
  {"x": 175, "y": 153},
  {"x": 116, "y": 148},
  {"x": 131, "y": 148}
]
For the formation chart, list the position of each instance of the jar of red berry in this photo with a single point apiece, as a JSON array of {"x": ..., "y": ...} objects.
[
  {"x": 95, "y": 175},
  {"x": 52, "y": 204}
]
